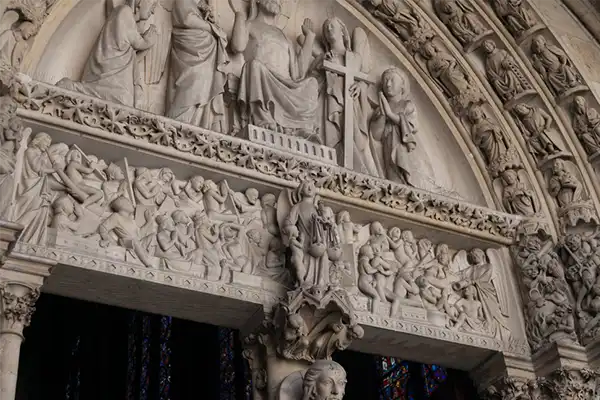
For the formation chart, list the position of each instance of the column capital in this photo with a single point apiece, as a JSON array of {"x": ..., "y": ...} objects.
[
  {"x": 18, "y": 305},
  {"x": 502, "y": 369}
]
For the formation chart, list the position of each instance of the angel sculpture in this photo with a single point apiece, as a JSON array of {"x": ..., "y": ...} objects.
[
  {"x": 198, "y": 61},
  {"x": 344, "y": 63},
  {"x": 111, "y": 71}
]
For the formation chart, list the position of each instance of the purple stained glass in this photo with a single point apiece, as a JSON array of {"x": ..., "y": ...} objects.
[
  {"x": 227, "y": 364},
  {"x": 434, "y": 376},
  {"x": 165, "y": 358},
  {"x": 145, "y": 372}
]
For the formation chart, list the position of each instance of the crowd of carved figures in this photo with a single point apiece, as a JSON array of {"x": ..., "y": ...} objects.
[{"x": 330, "y": 68}]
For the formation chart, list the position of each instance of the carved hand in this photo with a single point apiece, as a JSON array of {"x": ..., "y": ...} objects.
[
  {"x": 308, "y": 27},
  {"x": 151, "y": 35},
  {"x": 355, "y": 90}
]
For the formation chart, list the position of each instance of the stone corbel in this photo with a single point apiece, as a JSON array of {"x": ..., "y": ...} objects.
[{"x": 313, "y": 323}]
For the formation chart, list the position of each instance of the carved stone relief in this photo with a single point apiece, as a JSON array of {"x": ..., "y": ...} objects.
[
  {"x": 586, "y": 125},
  {"x": 462, "y": 21},
  {"x": 517, "y": 17},
  {"x": 547, "y": 298},
  {"x": 20, "y": 21},
  {"x": 555, "y": 68}
]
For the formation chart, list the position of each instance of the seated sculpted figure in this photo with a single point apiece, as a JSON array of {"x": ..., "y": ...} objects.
[
  {"x": 110, "y": 71},
  {"x": 274, "y": 91}
]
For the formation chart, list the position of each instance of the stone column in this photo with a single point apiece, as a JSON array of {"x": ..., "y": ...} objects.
[{"x": 21, "y": 277}]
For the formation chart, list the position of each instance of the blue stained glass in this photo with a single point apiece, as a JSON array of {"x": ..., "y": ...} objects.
[
  {"x": 145, "y": 373},
  {"x": 132, "y": 357},
  {"x": 434, "y": 376},
  {"x": 165, "y": 358},
  {"x": 227, "y": 366},
  {"x": 395, "y": 376}
]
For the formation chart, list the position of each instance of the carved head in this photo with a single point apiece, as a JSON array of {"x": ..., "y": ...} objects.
[
  {"x": 428, "y": 50},
  {"x": 144, "y": 9},
  {"x": 377, "y": 229},
  {"x": 489, "y": 46},
  {"x": 408, "y": 236},
  {"x": 477, "y": 256},
  {"x": 166, "y": 175},
  {"x": 254, "y": 236},
  {"x": 450, "y": 8},
  {"x": 7, "y": 106},
  {"x": 73, "y": 155},
  {"x": 522, "y": 110},
  {"x": 395, "y": 233},
  {"x": 268, "y": 200},
  {"x": 510, "y": 177},
  {"x": 252, "y": 195},
  {"x": 292, "y": 231},
  {"x": 422, "y": 282},
  {"x": 41, "y": 141},
  {"x": 579, "y": 104},
  {"x": 538, "y": 44},
  {"x": 357, "y": 332},
  {"x": 63, "y": 205},
  {"x": 27, "y": 29},
  {"x": 559, "y": 166},
  {"x": 470, "y": 292},
  {"x": 324, "y": 380},
  {"x": 114, "y": 172},
  {"x": 197, "y": 182},
  {"x": 180, "y": 217},
  {"x": 334, "y": 30},
  {"x": 366, "y": 251},
  {"x": 443, "y": 254},
  {"x": 531, "y": 271},
  {"x": 343, "y": 217},
  {"x": 165, "y": 223},
  {"x": 574, "y": 241},
  {"x": 272, "y": 7},
  {"x": 394, "y": 82},
  {"x": 306, "y": 189},
  {"x": 587, "y": 276},
  {"x": 476, "y": 114}
]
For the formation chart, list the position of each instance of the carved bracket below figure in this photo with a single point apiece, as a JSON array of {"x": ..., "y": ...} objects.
[{"x": 314, "y": 322}]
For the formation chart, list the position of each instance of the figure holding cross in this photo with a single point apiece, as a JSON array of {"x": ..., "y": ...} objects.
[{"x": 347, "y": 109}]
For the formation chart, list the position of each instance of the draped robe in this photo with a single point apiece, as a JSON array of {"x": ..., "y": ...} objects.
[{"x": 198, "y": 61}]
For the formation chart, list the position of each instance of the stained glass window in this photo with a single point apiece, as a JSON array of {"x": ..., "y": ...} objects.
[
  {"x": 227, "y": 363},
  {"x": 165, "y": 358},
  {"x": 399, "y": 378}
]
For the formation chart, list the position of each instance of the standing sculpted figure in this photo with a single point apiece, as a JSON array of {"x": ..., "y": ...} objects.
[
  {"x": 404, "y": 21},
  {"x": 554, "y": 66},
  {"x": 564, "y": 186},
  {"x": 586, "y": 124},
  {"x": 515, "y": 16},
  {"x": 536, "y": 125},
  {"x": 487, "y": 136},
  {"x": 516, "y": 197},
  {"x": 305, "y": 218},
  {"x": 11, "y": 133},
  {"x": 394, "y": 126},
  {"x": 503, "y": 73},
  {"x": 460, "y": 19},
  {"x": 349, "y": 52},
  {"x": 111, "y": 69},
  {"x": 445, "y": 70},
  {"x": 274, "y": 91},
  {"x": 198, "y": 61}
]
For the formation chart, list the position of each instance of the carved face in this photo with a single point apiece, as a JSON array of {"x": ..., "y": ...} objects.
[
  {"x": 196, "y": 183},
  {"x": 344, "y": 217},
  {"x": 272, "y": 7},
  {"x": 252, "y": 195},
  {"x": 470, "y": 292},
  {"x": 377, "y": 229},
  {"x": 489, "y": 46},
  {"x": 395, "y": 233},
  {"x": 574, "y": 242},
  {"x": 407, "y": 236},
  {"x": 333, "y": 31},
  {"x": 330, "y": 385},
  {"x": 579, "y": 104},
  {"x": 392, "y": 83},
  {"x": 42, "y": 141},
  {"x": 531, "y": 272},
  {"x": 27, "y": 30},
  {"x": 166, "y": 175},
  {"x": 521, "y": 110},
  {"x": 538, "y": 43},
  {"x": 477, "y": 256},
  {"x": 309, "y": 190},
  {"x": 268, "y": 200},
  {"x": 510, "y": 177}
]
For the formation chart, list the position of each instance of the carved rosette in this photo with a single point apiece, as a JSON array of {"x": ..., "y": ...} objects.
[
  {"x": 18, "y": 305},
  {"x": 313, "y": 323}
]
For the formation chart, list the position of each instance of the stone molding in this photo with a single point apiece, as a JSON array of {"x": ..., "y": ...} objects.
[
  {"x": 50, "y": 104},
  {"x": 561, "y": 384}
]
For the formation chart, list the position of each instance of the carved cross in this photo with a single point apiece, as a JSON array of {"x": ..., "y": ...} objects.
[{"x": 351, "y": 72}]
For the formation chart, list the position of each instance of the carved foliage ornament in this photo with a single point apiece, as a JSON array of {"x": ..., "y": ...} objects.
[
  {"x": 18, "y": 303},
  {"x": 159, "y": 131}
]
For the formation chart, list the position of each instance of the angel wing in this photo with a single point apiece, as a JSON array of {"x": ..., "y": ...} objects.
[
  {"x": 9, "y": 19},
  {"x": 154, "y": 60},
  {"x": 360, "y": 45},
  {"x": 499, "y": 281}
]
